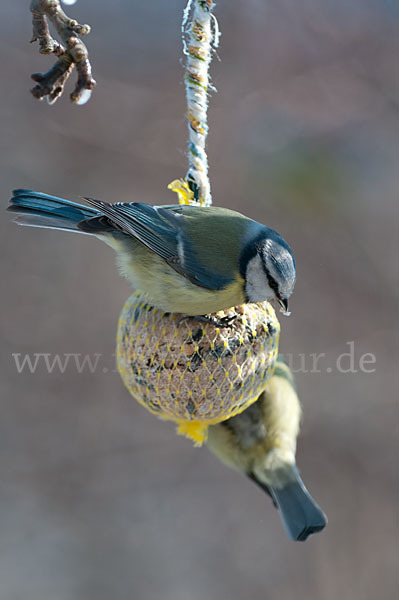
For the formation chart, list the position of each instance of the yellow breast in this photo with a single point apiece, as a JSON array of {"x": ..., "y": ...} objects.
[{"x": 171, "y": 292}]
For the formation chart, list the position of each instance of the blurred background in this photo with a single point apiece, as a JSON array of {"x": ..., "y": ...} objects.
[{"x": 101, "y": 500}]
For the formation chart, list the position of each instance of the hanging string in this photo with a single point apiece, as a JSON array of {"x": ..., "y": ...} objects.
[{"x": 200, "y": 38}]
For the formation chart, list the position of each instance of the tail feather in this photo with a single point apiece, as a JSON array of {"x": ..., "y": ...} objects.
[
  {"x": 300, "y": 514},
  {"x": 36, "y": 209}
]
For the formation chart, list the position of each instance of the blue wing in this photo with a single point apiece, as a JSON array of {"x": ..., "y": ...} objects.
[{"x": 161, "y": 229}]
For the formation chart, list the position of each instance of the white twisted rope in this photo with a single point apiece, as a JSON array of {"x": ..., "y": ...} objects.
[{"x": 200, "y": 37}]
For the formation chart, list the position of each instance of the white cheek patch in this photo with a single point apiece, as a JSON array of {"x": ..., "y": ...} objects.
[{"x": 256, "y": 286}]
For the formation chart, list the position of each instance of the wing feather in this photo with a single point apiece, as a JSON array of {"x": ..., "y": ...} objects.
[{"x": 162, "y": 230}]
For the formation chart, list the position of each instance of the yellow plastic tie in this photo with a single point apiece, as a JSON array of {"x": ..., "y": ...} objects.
[
  {"x": 193, "y": 430},
  {"x": 183, "y": 191}
]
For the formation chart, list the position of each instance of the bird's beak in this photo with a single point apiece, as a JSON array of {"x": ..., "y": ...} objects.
[{"x": 284, "y": 306}]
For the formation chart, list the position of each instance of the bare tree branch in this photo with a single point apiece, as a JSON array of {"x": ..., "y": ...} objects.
[{"x": 72, "y": 52}]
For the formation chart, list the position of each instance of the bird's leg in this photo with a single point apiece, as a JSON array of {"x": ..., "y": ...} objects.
[{"x": 223, "y": 322}]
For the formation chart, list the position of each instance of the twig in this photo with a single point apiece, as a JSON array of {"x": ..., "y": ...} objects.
[{"x": 71, "y": 53}]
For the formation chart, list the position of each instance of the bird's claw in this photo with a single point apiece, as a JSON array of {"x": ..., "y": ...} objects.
[{"x": 221, "y": 323}]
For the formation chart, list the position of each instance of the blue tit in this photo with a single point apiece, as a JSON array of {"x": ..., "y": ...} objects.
[
  {"x": 188, "y": 259},
  {"x": 261, "y": 442}
]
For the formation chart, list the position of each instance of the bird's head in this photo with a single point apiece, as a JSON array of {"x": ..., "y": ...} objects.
[{"x": 269, "y": 270}]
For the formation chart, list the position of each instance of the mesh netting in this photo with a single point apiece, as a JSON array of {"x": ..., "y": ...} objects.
[{"x": 196, "y": 373}]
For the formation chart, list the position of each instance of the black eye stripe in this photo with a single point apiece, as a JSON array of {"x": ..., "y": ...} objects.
[{"x": 271, "y": 281}]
